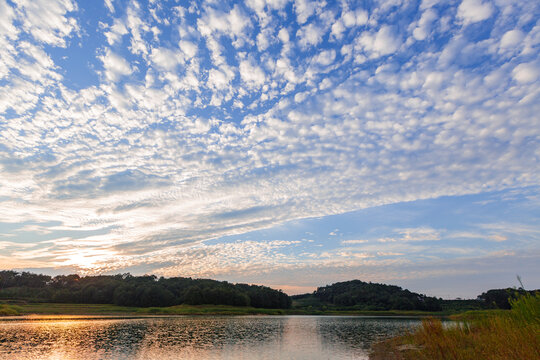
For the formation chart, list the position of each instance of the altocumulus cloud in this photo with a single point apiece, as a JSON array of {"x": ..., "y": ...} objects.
[{"x": 164, "y": 126}]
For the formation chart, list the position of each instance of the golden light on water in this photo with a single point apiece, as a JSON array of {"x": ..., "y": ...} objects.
[{"x": 188, "y": 337}]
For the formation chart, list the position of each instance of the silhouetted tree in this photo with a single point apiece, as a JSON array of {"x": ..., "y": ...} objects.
[
  {"x": 372, "y": 296},
  {"x": 129, "y": 290}
]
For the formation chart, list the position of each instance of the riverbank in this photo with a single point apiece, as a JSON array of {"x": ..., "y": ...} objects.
[
  {"x": 495, "y": 335},
  {"x": 106, "y": 309}
]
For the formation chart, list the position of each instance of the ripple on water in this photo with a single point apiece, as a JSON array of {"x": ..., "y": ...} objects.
[{"x": 246, "y": 337}]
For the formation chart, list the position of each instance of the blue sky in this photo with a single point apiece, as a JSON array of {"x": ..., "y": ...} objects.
[{"x": 292, "y": 144}]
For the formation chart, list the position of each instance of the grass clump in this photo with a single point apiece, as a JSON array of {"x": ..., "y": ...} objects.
[
  {"x": 502, "y": 335},
  {"x": 9, "y": 310}
]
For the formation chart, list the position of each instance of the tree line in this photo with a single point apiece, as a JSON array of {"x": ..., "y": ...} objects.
[
  {"x": 500, "y": 298},
  {"x": 149, "y": 291},
  {"x": 142, "y": 291},
  {"x": 372, "y": 296}
]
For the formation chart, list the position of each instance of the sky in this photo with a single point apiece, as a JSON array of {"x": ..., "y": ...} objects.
[{"x": 287, "y": 143}]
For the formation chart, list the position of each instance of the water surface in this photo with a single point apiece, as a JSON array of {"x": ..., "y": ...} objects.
[{"x": 198, "y": 337}]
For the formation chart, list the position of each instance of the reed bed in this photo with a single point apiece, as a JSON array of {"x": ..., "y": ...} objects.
[{"x": 513, "y": 334}]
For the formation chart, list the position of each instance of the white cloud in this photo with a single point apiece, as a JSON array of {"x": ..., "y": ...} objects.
[
  {"x": 353, "y": 242},
  {"x": 384, "y": 42},
  {"x": 7, "y": 16},
  {"x": 354, "y": 18},
  {"x": 231, "y": 258},
  {"x": 109, "y": 5},
  {"x": 300, "y": 96},
  {"x": 220, "y": 78},
  {"x": 472, "y": 11},
  {"x": 238, "y": 21},
  {"x": 257, "y": 6},
  {"x": 309, "y": 35},
  {"x": 426, "y": 4},
  {"x": 47, "y": 20},
  {"x": 166, "y": 59},
  {"x": 326, "y": 57},
  {"x": 325, "y": 84},
  {"x": 216, "y": 52},
  {"x": 389, "y": 253},
  {"x": 512, "y": 38},
  {"x": 189, "y": 48},
  {"x": 137, "y": 28},
  {"x": 232, "y": 24},
  {"x": 337, "y": 29},
  {"x": 423, "y": 29},
  {"x": 252, "y": 74},
  {"x": 117, "y": 30},
  {"x": 283, "y": 35},
  {"x": 418, "y": 234},
  {"x": 262, "y": 42},
  {"x": 263, "y": 7},
  {"x": 362, "y": 17},
  {"x": 349, "y": 19},
  {"x": 526, "y": 72},
  {"x": 304, "y": 9},
  {"x": 115, "y": 66},
  {"x": 498, "y": 238},
  {"x": 531, "y": 41}
]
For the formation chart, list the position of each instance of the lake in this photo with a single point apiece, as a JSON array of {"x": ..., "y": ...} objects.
[{"x": 197, "y": 337}]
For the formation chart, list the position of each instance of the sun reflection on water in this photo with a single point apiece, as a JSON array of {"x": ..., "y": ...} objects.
[{"x": 246, "y": 337}]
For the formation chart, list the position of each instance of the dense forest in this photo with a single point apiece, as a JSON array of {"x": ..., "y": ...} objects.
[
  {"x": 500, "y": 298},
  {"x": 361, "y": 295},
  {"x": 369, "y": 296},
  {"x": 143, "y": 291}
]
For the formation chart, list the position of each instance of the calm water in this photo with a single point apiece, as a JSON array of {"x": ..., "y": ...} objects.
[{"x": 246, "y": 337}]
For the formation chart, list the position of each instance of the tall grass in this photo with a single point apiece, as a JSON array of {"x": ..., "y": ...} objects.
[
  {"x": 513, "y": 334},
  {"x": 9, "y": 310}
]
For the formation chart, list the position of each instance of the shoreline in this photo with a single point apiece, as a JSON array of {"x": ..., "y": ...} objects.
[
  {"x": 93, "y": 310},
  {"x": 70, "y": 317},
  {"x": 495, "y": 335}
]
